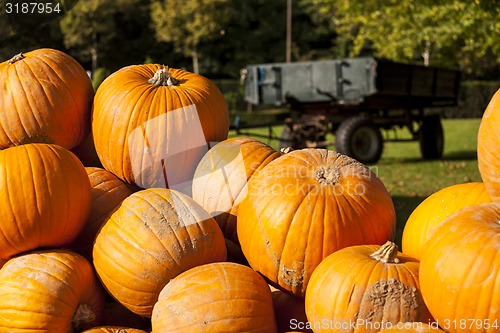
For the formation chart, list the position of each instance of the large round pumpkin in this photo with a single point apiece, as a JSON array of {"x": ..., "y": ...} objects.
[
  {"x": 218, "y": 297},
  {"x": 488, "y": 141},
  {"x": 153, "y": 124},
  {"x": 152, "y": 237},
  {"x": 221, "y": 177},
  {"x": 108, "y": 191},
  {"x": 305, "y": 205},
  {"x": 49, "y": 291},
  {"x": 364, "y": 288},
  {"x": 45, "y": 197},
  {"x": 460, "y": 270},
  {"x": 45, "y": 97},
  {"x": 434, "y": 209}
]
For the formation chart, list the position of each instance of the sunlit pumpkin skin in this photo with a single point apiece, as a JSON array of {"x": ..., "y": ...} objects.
[
  {"x": 152, "y": 237},
  {"x": 220, "y": 179},
  {"x": 289, "y": 311},
  {"x": 114, "y": 329},
  {"x": 415, "y": 327},
  {"x": 460, "y": 270},
  {"x": 365, "y": 284},
  {"x": 49, "y": 291},
  {"x": 161, "y": 121},
  {"x": 217, "y": 297},
  {"x": 108, "y": 191},
  {"x": 488, "y": 147},
  {"x": 45, "y": 197},
  {"x": 305, "y": 205},
  {"x": 45, "y": 97},
  {"x": 434, "y": 209}
]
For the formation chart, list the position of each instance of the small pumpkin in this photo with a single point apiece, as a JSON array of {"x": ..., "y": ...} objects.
[
  {"x": 415, "y": 327},
  {"x": 108, "y": 191},
  {"x": 113, "y": 329},
  {"x": 220, "y": 179},
  {"x": 45, "y": 197},
  {"x": 217, "y": 297},
  {"x": 488, "y": 141},
  {"x": 153, "y": 236},
  {"x": 45, "y": 97},
  {"x": 305, "y": 205},
  {"x": 49, "y": 291},
  {"x": 434, "y": 209},
  {"x": 460, "y": 270},
  {"x": 360, "y": 288},
  {"x": 161, "y": 121}
]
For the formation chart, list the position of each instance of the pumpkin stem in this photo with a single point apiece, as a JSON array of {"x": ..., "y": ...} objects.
[
  {"x": 388, "y": 253},
  {"x": 163, "y": 77},
  {"x": 286, "y": 150},
  {"x": 82, "y": 316},
  {"x": 327, "y": 176},
  {"x": 16, "y": 58}
]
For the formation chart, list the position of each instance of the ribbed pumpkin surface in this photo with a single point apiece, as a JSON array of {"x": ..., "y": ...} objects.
[
  {"x": 305, "y": 205},
  {"x": 218, "y": 297},
  {"x": 45, "y": 197},
  {"x": 158, "y": 131},
  {"x": 152, "y": 237},
  {"x": 49, "y": 291},
  {"x": 45, "y": 97}
]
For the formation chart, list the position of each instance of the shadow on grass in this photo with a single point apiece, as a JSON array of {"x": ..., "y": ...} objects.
[
  {"x": 464, "y": 155},
  {"x": 404, "y": 206}
]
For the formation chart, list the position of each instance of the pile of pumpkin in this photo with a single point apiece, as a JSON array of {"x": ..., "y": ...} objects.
[{"x": 130, "y": 210}]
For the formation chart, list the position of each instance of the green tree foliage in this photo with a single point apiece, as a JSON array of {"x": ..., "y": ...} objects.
[
  {"x": 460, "y": 33},
  {"x": 110, "y": 33}
]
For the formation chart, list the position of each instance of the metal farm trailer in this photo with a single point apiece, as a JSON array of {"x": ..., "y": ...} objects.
[{"x": 354, "y": 99}]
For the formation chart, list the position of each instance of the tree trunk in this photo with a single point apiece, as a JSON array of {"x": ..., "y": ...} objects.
[
  {"x": 93, "y": 52},
  {"x": 194, "y": 55}
]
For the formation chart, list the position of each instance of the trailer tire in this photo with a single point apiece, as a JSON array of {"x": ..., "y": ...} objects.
[
  {"x": 359, "y": 138},
  {"x": 431, "y": 138}
]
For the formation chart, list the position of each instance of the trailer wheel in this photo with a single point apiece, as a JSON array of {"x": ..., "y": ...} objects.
[
  {"x": 359, "y": 138},
  {"x": 431, "y": 138},
  {"x": 301, "y": 136}
]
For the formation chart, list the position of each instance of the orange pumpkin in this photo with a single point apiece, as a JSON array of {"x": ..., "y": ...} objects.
[
  {"x": 460, "y": 270},
  {"x": 305, "y": 205},
  {"x": 434, "y": 209},
  {"x": 362, "y": 288},
  {"x": 49, "y": 291},
  {"x": 108, "y": 191},
  {"x": 45, "y": 197},
  {"x": 45, "y": 97},
  {"x": 415, "y": 327},
  {"x": 152, "y": 237},
  {"x": 220, "y": 179},
  {"x": 113, "y": 329},
  {"x": 161, "y": 122},
  {"x": 217, "y": 297},
  {"x": 488, "y": 143}
]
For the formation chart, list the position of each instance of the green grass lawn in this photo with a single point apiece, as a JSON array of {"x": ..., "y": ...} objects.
[{"x": 410, "y": 179}]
